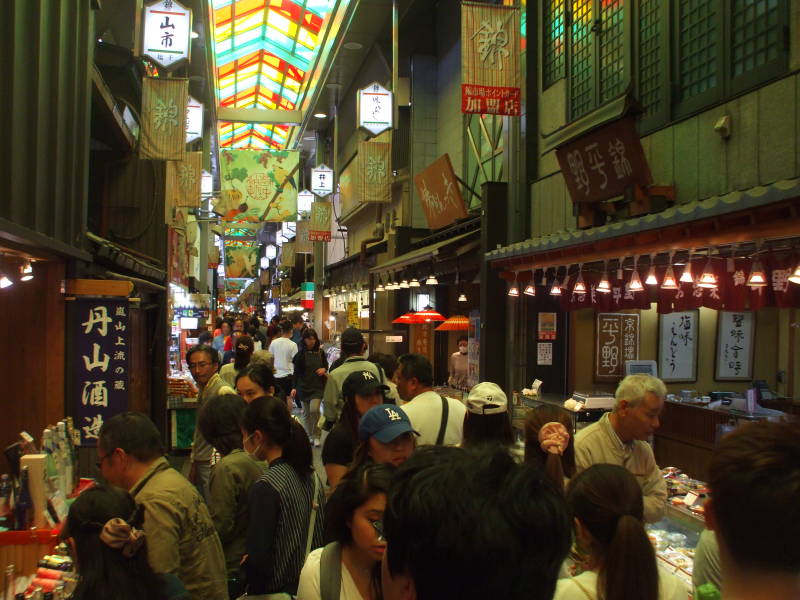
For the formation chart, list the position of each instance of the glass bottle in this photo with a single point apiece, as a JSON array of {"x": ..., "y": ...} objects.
[{"x": 24, "y": 506}]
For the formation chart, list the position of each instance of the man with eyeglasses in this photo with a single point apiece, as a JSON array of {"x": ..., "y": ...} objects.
[{"x": 203, "y": 363}]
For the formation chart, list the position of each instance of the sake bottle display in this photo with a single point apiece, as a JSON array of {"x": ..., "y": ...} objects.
[{"x": 24, "y": 508}]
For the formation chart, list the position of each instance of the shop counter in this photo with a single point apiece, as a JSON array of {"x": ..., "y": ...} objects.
[
  {"x": 579, "y": 419},
  {"x": 23, "y": 549}
]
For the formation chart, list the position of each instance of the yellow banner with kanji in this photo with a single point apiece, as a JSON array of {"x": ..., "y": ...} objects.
[
  {"x": 490, "y": 59},
  {"x": 288, "y": 254},
  {"x": 183, "y": 180},
  {"x": 163, "y": 132},
  {"x": 375, "y": 171},
  {"x": 303, "y": 243},
  {"x": 320, "y": 226}
]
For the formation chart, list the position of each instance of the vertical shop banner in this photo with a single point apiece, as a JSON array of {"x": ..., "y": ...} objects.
[
  {"x": 375, "y": 171},
  {"x": 422, "y": 339},
  {"x": 321, "y": 217},
  {"x": 307, "y": 295},
  {"x": 302, "y": 239},
  {"x": 677, "y": 345},
  {"x": 178, "y": 258},
  {"x": 474, "y": 349},
  {"x": 241, "y": 261},
  {"x": 617, "y": 340},
  {"x": 439, "y": 194},
  {"x": 490, "y": 59},
  {"x": 288, "y": 255},
  {"x": 99, "y": 363},
  {"x": 352, "y": 315},
  {"x": 163, "y": 135},
  {"x": 258, "y": 185},
  {"x": 183, "y": 180},
  {"x": 735, "y": 346}
]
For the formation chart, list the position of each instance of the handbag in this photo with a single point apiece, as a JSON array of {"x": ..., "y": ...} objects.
[{"x": 309, "y": 540}]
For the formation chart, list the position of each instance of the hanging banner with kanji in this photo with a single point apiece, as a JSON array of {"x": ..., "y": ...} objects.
[
  {"x": 302, "y": 241},
  {"x": 258, "y": 185},
  {"x": 98, "y": 334},
  {"x": 439, "y": 194},
  {"x": 375, "y": 171},
  {"x": 241, "y": 260},
  {"x": 320, "y": 228},
  {"x": 288, "y": 255},
  {"x": 183, "y": 180},
  {"x": 163, "y": 133},
  {"x": 178, "y": 257},
  {"x": 167, "y": 33},
  {"x": 490, "y": 53}
]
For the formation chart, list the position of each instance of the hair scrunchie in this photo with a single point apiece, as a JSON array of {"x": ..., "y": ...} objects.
[
  {"x": 120, "y": 535},
  {"x": 553, "y": 438}
]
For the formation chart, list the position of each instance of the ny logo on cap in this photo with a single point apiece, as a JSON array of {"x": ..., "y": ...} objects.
[
  {"x": 367, "y": 375},
  {"x": 393, "y": 415}
]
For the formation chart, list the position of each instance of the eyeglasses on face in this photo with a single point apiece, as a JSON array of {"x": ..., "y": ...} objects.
[
  {"x": 199, "y": 365},
  {"x": 378, "y": 527}
]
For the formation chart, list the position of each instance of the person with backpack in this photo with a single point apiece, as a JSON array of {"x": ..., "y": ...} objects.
[{"x": 348, "y": 567}]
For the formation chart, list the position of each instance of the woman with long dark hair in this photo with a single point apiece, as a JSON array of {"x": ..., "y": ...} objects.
[
  {"x": 103, "y": 528},
  {"x": 286, "y": 520},
  {"x": 549, "y": 445},
  {"x": 607, "y": 505},
  {"x": 354, "y": 531},
  {"x": 487, "y": 420},
  {"x": 242, "y": 352},
  {"x": 310, "y": 368},
  {"x": 256, "y": 380}
]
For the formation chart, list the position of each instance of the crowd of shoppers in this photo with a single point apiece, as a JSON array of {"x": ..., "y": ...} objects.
[{"x": 431, "y": 499}]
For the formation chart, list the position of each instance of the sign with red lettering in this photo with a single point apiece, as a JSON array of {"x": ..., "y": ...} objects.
[
  {"x": 490, "y": 53},
  {"x": 603, "y": 163}
]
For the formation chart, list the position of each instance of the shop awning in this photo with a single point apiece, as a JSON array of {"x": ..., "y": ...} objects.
[
  {"x": 716, "y": 206},
  {"x": 433, "y": 251}
]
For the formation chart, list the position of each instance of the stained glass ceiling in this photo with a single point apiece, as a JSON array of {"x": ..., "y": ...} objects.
[{"x": 263, "y": 50}]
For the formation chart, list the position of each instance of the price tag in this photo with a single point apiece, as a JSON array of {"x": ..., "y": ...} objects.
[{"x": 690, "y": 499}]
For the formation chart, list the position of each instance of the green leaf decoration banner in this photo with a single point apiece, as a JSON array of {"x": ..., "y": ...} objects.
[
  {"x": 258, "y": 185},
  {"x": 241, "y": 261}
]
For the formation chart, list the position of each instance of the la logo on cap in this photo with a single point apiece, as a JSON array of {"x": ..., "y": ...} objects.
[
  {"x": 393, "y": 414},
  {"x": 367, "y": 375}
]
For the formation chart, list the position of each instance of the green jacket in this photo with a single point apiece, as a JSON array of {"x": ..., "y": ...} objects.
[
  {"x": 180, "y": 535},
  {"x": 228, "y": 490},
  {"x": 332, "y": 399}
]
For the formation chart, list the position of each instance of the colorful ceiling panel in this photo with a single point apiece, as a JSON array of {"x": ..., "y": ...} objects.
[{"x": 263, "y": 50}]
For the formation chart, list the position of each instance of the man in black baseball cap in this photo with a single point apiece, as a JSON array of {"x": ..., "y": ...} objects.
[{"x": 354, "y": 349}]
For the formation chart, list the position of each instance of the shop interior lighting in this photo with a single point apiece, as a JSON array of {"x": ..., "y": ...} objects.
[
  {"x": 555, "y": 289},
  {"x": 604, "y": 287},
  {"x": 26, "y": 271},
  {"x": 414, "y": 282},
  {"x": 462, "y": 297},
  {"x": 264, "y": 262},
  {"x": 5, "y": 281},
  {"x": 530, "y": 289},
  {"x": 651, "y": 274},
  {"x": 758, "y": 278},
  {"x": 708, "y": 279},
  {"x": 580, "y": 286},
  {"x": 379, "y": 287},
  {"x": 271, "y": 251},
  {"x": 431, "y": 280},
  {"x": 404, "y": 284},
  {"x": 669, "y": 282},
  {"x": 513, "y": 291},
  {"x": 635, "y": 284},
  {"x": 686, "y": 276},
  {"x": 795, "y": 276}
]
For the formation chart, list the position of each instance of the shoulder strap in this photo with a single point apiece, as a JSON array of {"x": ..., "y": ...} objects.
[
  {"x": 330, "y": 572},
  {"x": 313, "y": 520},
  {"x": 443, "y": 424}
]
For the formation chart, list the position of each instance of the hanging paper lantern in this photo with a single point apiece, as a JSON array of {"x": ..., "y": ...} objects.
[{"x": 454, "y": 323}]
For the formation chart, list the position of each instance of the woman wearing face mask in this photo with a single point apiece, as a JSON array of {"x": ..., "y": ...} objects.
[
  {"x": 285, "y": 505},
  {"x": 348, "y": 568},
  {"x": 361, "y": 391},
  {"x": 458, "y": 365},
  {"x": 386, "y": 437}
]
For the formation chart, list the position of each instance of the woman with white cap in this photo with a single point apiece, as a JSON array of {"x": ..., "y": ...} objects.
[{"x": 487, "y": 420}]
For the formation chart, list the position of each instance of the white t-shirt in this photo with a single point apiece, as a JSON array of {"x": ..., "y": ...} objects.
[
  {"x": 283, "y": 349},
  {"x": 310, "y": 576},
  {"x": 669, "y": 587},
  {"x": 425, "y": 413}
]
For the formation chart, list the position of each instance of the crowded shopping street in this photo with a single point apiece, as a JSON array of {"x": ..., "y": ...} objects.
[{"x": 400, "y": 300}]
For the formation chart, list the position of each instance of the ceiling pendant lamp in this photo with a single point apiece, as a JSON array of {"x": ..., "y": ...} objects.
[
  {"x": 414, "y": 282},
  {"x": 669, "y": 282},
  {"x": 686, "y": 276},
  {"x": 580, "y": 286},
  {"x": 530, "y": 289},
  {"x": 795, "y": 276},
  {"x": 26, "y": 271},
  {"x": 513, "y": 291},
  {"x": 651, "y": 274},
  {"x": 555, "y": 289},
  {"x": 604, "y": 287},
  {"x": 708, "y": 279},
  {"x": 431, "y": 280},
  {"x": 635, "y": 283},
  {"x": 758, "y": 278},
  {"x": 404, "y": 284},
  {"x": 264, "y": 262},
  {"x": 462, "y": 297},
  {"x": 380, "y": 287}
]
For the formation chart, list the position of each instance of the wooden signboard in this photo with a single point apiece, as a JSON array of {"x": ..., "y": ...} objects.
[
  {"x": 603, "y": 163},
  {"x": 422, "y": 339},
  {"x": 616, "y": 340},
  {"x": 735, "y": 345},
  {"x": 677, "y": 345},
  {"x": 439, "y": 193}
]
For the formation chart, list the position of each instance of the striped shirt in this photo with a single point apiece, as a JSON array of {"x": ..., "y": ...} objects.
[{"x": 280, "y": 509}]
